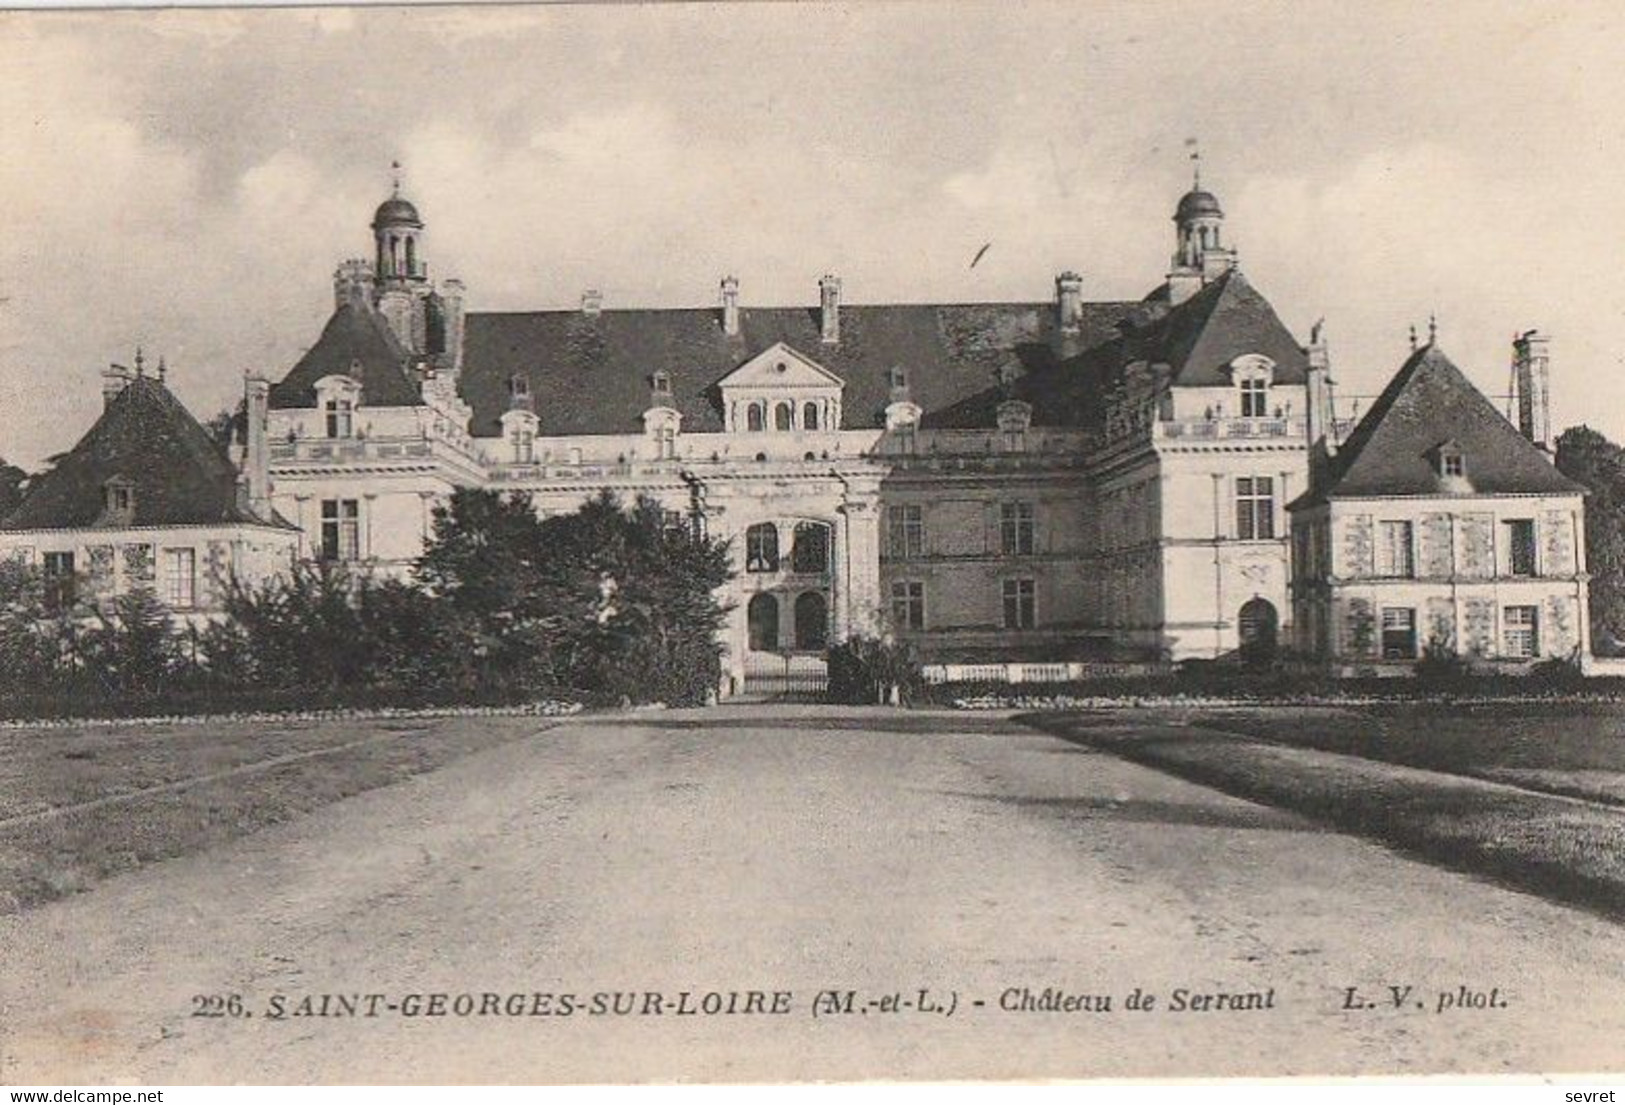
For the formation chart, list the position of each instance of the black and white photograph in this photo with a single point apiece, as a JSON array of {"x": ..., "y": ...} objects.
[{"x": 799, "y": 543}]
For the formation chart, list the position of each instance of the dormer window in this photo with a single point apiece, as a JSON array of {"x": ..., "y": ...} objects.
[
  {"x": 1255, "y": 398},
  {"x": 340, "y": 418},
  {"x": 1253, "y": 374},
  {"x": 1451, "y": 464},
  {"x": 338, "y": 397},
  {"x": 119, "y": 499},
  {"x": 660, "y": 384},
  {"x": 519, "y": 428},
  {"x": 524, "y": 446},
  {"x": 1015, "y": 416}
]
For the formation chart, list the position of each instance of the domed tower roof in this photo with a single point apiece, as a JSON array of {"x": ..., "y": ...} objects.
[
  {"x": 1197, "y": 203},
  {"x": 396, "y": 211}
]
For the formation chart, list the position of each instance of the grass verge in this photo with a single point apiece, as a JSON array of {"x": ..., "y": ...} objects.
[
  {"x": 1576, "y": 749},
  {"x": 80, "y": 805},
  {"x": 1558, "y": 848}
]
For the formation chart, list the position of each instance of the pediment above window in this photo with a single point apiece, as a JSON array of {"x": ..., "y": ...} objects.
[
  {"x": 780, "y": 390},
  {"x": 778, "y": 367},
  {"x": 338, "y": 386},
  {"x": 1252, "y": 366}
]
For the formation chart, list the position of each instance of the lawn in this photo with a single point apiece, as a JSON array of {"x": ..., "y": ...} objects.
[
  {"x": 1575, "y": 749},
  {"x": 1540, "y": 842},
  {"x": 134, "y": 794}
]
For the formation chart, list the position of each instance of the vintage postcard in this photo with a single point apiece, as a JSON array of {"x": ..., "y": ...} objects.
[{"x": 803, "y": 543}]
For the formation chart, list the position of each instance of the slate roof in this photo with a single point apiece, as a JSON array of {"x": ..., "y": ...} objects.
[
  {"x": 591, "y": 374},
  {"x": 356, "y": 342},
  {"x": 1429, "y": 403},
  {"x": 1199, "y": 338},
  {"x": 148, "y": 439},
  {"x": 1191, "y": 345}
]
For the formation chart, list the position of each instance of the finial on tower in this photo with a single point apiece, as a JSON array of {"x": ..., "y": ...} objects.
[
  {"x": 1433, "y": 328},
  {"x": 1196, "y": 163},
  {"x": 395, "y": 176},
  {"x": 140, "y": 362},
  {"x": 1413, "y": 337},
  {"x": 163, "y": 369}
]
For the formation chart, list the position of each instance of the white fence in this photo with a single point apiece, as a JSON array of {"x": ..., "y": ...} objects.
[{"x": 1035, "y": 673}]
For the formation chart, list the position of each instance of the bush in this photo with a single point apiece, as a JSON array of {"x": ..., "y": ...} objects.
[
  {"x": 133, "y": 648},
  {"x": 1441, "y": 663},
  {"x": 869, "y": 670},
  {"x": 1558, "y": 674}
]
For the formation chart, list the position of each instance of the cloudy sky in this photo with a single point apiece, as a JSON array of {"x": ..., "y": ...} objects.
[{"x": 187, "y": 181}]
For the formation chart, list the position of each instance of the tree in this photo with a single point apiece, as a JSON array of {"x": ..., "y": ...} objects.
[
  {"x": 300, "y": 631},
  {"x": 609, "y": 602},
  {"x": 27, "y": 649},
  {"x": 12, "y": 479},
  {"x": 227, "y": 421},
  {"x": 133, "y": 648},
  {"x": 1591, "y": 459}
]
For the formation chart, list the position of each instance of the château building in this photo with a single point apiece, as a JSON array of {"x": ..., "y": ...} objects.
[{"x": 1066, "y": 479}]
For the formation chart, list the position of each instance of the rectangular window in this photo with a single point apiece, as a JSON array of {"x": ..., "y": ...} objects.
[
  {"x": 1398, "y": 633},
  {"x": 341, "y": 529},
  {"x": 340, "y": 418},
  {"x": 60, "y": 582},
  {"x": 1395, "y": 555},
  {"x": 905, "y": 531},
  {"x": 762, "y": 548},
  {"x": 908, "y": 605},
  {"x": 1520, "y": 542},
  {"x": 666, "y": 442},
  {"x": 1520, "y": 632},
  {"x": 1255, "y": 508},
  {"x": 524, "y": 447},
  {"x": 1254, "y": 399},
  {"x": 180, "y": 577},
  {"x": 1454, "y": 465},
  {"x": 1016, "y": 529},
  {"x": 1020, "y": 604}
]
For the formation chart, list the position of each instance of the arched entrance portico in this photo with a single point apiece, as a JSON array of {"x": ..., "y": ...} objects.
[
  {"x": 762, "y": 621},
  {"x": 812, "y": 621}
]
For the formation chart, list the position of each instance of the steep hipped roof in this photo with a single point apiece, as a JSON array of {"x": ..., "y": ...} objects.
[
  {"x": 147, "y": 440},
  {"x": 1192, "y": 345},
  {"x": 1428, "y": 404},
  {"x": 1199, "y": 338},
  {"x": 358, "y": 343},
  {"x": 590, "y": 374}
]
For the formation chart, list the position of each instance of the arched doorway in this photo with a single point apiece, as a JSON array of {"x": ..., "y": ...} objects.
[
  {"x": 1257, "y": 625},
  {"x": 762, "y": 620},
  {"x": 812, "y": 621}
]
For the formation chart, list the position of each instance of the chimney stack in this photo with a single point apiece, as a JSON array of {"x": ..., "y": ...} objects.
[
  {"x": 353, "y": 284},
  {"x": 1532, "y": 368},
  {"x": 829, "y": 300},
  {"x": 730, "y": 306},
  {"x": 1069, "y": 301},
  {"x": 592, "y": 302},
  {"x": 256, "y": 454},
  {"x": 452, "y": 323},
  {"x": 114, "y": 379},
  {"x": 1321, "y": 419}
]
